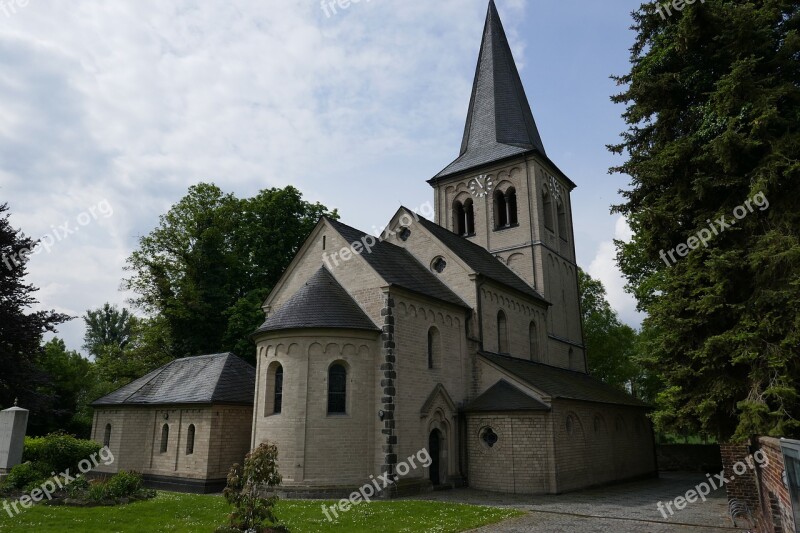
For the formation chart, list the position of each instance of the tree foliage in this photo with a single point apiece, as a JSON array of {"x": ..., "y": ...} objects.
[
  {"x": 21, "y": 331},
  {"x": 713, "y": 114},
  {"x": 107, "y": 327},
  {"x": 212, "y": 259},
  {"x": 610, "y": 344},
  {"x": 252, "y": 512},
  {"x": 68, "y": 384}
]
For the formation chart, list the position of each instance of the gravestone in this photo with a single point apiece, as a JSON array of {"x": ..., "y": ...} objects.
[{"x": 13, "y": 424}]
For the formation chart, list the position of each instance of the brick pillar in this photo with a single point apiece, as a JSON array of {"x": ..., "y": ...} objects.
[
  {"x": 740, "y": 487},
  {"x": 389, "y": 392}
]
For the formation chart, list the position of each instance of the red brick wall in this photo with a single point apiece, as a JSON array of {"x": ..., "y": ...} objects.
[
  {"x": 761, "y": 488},
  {"x": 776, "y": 503}
]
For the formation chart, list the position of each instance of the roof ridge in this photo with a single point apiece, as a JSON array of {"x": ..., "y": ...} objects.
[{"x": 480, "y": 249}]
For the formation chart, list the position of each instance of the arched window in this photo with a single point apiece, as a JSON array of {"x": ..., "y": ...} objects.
[
  {"x": 547, "y": 205},
  {"x": 278, "y": 395},
  {"x": 337, "y": 389},
  {"x": 190, "y": 440},
  {"x": 164, "y": 438},
  {"x": 459, "y": 219},
  {"x": 434, "y": 348},
  {"x": 469, "y": 217},
  {"x": 502, "y": 333},
  {"x": 511, "y": 206},
  {"x": 107, "y": 436},
  {"x": 533, "y": 337},
  {"x": 562, "y": 220},
  {"x": 500, "y": 210}
]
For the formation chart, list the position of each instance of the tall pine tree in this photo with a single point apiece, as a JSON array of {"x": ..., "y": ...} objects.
[{"x": 713, "y": 114}]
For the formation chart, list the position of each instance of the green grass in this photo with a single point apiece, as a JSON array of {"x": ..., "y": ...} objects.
[{"x": 196, "y": 513}]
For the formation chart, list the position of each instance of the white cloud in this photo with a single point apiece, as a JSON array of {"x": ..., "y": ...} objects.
[
  {"x": 135, "y": 101},
  {"x": 604, "y": 268}
]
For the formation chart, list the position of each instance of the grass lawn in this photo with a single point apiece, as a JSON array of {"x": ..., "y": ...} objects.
[{"x": 196, "y": 513}]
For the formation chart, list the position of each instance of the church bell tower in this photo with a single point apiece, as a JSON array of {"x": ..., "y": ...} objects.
[{"x": 504, "y": 193}]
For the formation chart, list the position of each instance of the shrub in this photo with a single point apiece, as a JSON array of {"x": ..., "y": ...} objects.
[
  {"x": 25, "y": 474},
  {"x": 97, "y": 491},
  {"x": 77, "y": 488},
  {"x": 251, "y": 512},
  {"x": 58, "y": 452},
  {"x": 123, "y": 484}
]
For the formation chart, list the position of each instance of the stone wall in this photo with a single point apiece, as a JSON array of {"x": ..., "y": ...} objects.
[
  {"x": 316, "y": 448},
  {"x": 599, "y": 443},
  {"x": 520, "y": 462},
  {"x": 702, "y": 458},
  {"x": 221, "y": 438}
]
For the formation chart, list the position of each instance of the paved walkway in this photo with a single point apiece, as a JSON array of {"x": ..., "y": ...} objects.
[{"x": 627, "y": 507}]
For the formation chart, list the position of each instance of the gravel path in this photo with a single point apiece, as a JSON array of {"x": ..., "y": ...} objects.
[{"x": 628, "y": 507}]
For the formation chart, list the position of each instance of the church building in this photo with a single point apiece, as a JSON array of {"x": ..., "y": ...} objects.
[
  {"x": 459, "y": 335},
  {"x": 457, "y": 338}
]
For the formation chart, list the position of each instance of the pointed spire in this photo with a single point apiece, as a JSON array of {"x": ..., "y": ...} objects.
[{"x": 499, "y": 122}]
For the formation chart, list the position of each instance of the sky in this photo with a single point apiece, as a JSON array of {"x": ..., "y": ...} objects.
[{"x": 110, "y": 111}]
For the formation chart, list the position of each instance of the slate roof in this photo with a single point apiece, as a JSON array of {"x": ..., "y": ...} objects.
[
  {"x": 480, "y": 259},
  {"x": 321, "y": 303},
  {"x": 398, "y": 267},
  {"x": 499, "y": 123},
  {"x": 561, "y": 383},
  {"x": 503, "y": 396},
  {"x": 205, "y": 379}
]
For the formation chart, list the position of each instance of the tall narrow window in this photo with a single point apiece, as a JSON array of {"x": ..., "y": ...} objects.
[
  {"x": 164, "y": 438},
  {"x": 502, "y": 333},
  {"x": 469, "y": 217},
  {"x": 190, "y": 440},
  {"x": 459, "y": 219},
  {"x": 511, "y": 206},
  {"x": 337, "y": 389},
  {"x": 562, "y": 220},
  {"x": 500, "y": 210},
  {"x": 433, "y": 348},
  {"x": 107, "y": 436},
  {"x": 278, "y": 396},
  {"x": 547, "y": 205},
  {"x": 534, "y": 341}
]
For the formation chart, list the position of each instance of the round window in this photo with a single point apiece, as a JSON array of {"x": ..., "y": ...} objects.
[
  {"x": 439, "y": 264},
  {"x": 489, "y": 437}
]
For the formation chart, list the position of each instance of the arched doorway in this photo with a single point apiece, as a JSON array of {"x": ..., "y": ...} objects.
[{"x": 434, "y": 449}]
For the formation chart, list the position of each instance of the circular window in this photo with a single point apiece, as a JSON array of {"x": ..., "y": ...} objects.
[
  {"x": 439, "y": 264},
  {"x": 404, "y": 234},
  {"x": 489, "y": 437}
]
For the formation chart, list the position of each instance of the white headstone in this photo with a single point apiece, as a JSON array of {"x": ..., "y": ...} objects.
[{"x": 13, "y": 424}]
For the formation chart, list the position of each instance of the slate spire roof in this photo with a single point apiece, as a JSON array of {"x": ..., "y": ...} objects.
[
  {"x": 500, "y": 123},
  {"x": 204, "y": 379},
  {"x": 321, "y": 303}
]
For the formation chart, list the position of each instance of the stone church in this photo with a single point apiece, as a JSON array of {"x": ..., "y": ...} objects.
[{"x": 459, "y": 335}]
